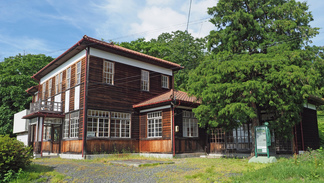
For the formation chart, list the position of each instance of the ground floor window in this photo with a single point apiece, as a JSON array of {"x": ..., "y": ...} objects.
[
  {"x": 47, "y": 133},
  {"x": 74, "y": 124},
  {"x": 154, "y": 124},
  {"x": 120, "y": 125},
  {"x": 66, "y": 126},
  {"x": 108, "y": 124},
  {"x": 190, "y": 124},
  {"x": 98, "y": 123}
]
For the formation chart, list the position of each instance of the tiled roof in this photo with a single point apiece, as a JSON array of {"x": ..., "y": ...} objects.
[
  {"x": 168, "y": 96},
  {"x": 110, "y": 47}
]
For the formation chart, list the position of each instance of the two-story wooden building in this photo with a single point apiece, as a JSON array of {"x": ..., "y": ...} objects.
[{"x": 98, "y": 97}]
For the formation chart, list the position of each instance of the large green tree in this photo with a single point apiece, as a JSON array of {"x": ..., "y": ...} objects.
[
  {"x": 15, "y": 79},
  {"x": 255, "y": 25},
  {"x": 179, "y": 47},
  {"x": 260, "y": 63},
  {"x": 235, "y": 88}
]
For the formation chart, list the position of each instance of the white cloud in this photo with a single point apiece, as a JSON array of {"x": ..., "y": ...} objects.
[{"x": 158, "y": 2}]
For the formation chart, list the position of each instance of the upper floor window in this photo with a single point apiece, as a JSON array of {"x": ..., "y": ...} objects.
[
  {"x": 58, "y": 83},
  {"x": 50, "y": 88},
  {"x": 165, "y": 81},
  {"x": 68, "y": 78},
  {"x": 145, "y": 80},
  {"x": 154, "y": 124},
  {"x": 43, "y": 91},
  {"x": 190, "y": 124},
  {"x": 78, "y": 73},
  {"x": 108, "y": 72}
]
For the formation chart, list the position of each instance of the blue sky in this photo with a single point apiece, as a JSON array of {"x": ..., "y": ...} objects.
[{"x": 52, "y": 26}]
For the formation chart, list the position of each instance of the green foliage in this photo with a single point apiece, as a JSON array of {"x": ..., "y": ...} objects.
[
  {"x": 307, "y": 167},
  {"x": 13, "y": 156},
  {"x": 15, "y": 79},
  {"x": 320, "y": 118},
  {"x": 234, "y": 87},
  {"x": 254, "y": 26},
  {"x": 179, "y": 47}
]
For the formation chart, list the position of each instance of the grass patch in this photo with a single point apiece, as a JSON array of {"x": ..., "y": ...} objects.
[
  {"x": 38, "y": 173},
  {"x": 307, "y": 167}
]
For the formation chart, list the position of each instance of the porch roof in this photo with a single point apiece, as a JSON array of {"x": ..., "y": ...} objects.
[
  {"x": 32, "y": 90},
  {"x": 43, "y": 114},
  {"x": 168, "y": 97}
]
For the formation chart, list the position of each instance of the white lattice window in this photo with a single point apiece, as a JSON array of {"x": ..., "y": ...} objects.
[
  {"x": 68, "y": 78},
  {"x": 190, "y": 124},
  {"x": 145, "y": 80},
  {"x": 74, "y": 124},
  {"x": 108, "y": 72},
  {"x": 47, "y": 133},
  {"x": 57, "y": 84},
  {"x": 165, "y": 81},
  {"x": 66, "y": 126},
  {"x": 120, "y": 125},
  {"x": 78, "y": 73},
  {"x": 50, "y": 88},
  {"x": 43, "y": 91},
  {"x": 154, "y": 124},
  {"x": 98, "y": 123}
]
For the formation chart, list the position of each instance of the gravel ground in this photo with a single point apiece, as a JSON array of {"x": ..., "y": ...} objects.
[{"x": 84, "y": 171}]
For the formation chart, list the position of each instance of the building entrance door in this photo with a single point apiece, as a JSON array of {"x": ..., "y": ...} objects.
[{"x": 56, "y": 139}]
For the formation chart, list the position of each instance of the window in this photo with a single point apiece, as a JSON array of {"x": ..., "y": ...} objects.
[
  {"x": 145, "y": 80},
  {"x": 108, "y": 72},
  {"x": 98, "y": 123},
  {"x": 74, "y": 124},
  {"x": 165, "y": 81},
  {"x": 44, "y": 91},
  {"x": 120, "y": 125},
  {"x": 50, "y": 88},
  {"x": 66, "y": 126},
  {"x": 47, "y": 133},
  {"x": 58, "y": 83},
  {"x": 78, "y": 73},
  {"x": 68, "y": 78},
  {"x": 190, "y": 124},
  {"x": 154, "y": 124}
]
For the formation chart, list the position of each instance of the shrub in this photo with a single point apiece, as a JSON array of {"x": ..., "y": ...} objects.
[{"x": 13, "y": 155}]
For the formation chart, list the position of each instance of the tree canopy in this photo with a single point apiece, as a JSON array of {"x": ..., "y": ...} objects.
[
  {"x": 255, "y": 25},
  {"x": 179, "y": 47},
  {"x": 15, "y": 79},
  {"x": 260, "y": 63}
]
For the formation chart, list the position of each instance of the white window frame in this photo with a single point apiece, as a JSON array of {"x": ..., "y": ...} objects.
[
  {"x": 95, "y": 119},
  {"x": 44, "y": 91},
  {"x": 78, "y": 73},
  {"x": 165, "y": 81},
  {"x": 68, "y": 78},
  {"x": 145, "y": 80},
  {"x": 154, "y": 124},
  {"x": 57, "y": 84},
  {"x": 47, "y": 132},
  {"x": 108, "y": 72},
  {"x": 66, "y": 126},
  {"x": 120, "y": 125},
  {"x": 50, "y": 88},
  {"x": 74, "y": 124},
  {"x": 189, "y": 124}
]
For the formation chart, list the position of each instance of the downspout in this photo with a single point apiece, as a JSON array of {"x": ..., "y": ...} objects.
[{"x": 85, "y": 108}]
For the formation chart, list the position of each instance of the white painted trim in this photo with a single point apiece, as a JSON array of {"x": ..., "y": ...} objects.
[
  {"x": 310, "y": 106},
  {"x": 63, "y": 66},
  {"x": 129, "y": 61},
  {"x": 184, "y": 107},
  {"x": 155, "y": 108}
]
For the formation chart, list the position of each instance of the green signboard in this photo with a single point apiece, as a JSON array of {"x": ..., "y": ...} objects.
[{"x": 262, "y": 140}]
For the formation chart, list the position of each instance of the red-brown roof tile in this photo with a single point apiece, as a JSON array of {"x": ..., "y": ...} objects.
[{"x": 168, "y": 96}]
